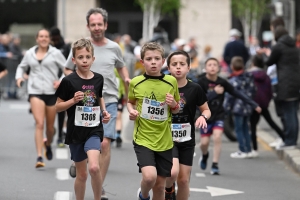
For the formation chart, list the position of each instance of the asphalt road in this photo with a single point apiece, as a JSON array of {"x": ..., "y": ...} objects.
[{"x": 265, "y": 177}]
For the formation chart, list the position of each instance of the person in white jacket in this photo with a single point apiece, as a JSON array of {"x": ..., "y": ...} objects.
[{"x": 44, "y": 62}]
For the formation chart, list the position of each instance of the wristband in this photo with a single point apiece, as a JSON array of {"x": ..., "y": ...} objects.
[
  {"x": 204, "y": 117},
  {"x": 176, "y": 107}
]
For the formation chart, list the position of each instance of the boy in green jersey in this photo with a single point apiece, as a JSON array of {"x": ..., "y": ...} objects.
[{"x": 152, "y": 99}]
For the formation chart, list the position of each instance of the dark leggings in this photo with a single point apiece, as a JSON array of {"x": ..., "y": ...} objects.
[
  {"x": 254, "y": 121},
  {"x": 61, "y": 118}
]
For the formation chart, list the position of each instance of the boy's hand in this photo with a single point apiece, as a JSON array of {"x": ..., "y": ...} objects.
[
  {"x": 78, "y": 96},
  {"x": 219, "y": 89},
  {"x": 133, "y": 114},
  {"x": 106, "y": 117},
  {"x": 258, "y": 109},
  {"x": 170, "y": 100},
  {"x": 201, "y": 122}
]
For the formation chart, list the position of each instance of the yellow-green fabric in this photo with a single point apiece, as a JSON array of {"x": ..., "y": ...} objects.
[
  {"x": 155, "y": 135},
  {"x": 121, "y": 86}
]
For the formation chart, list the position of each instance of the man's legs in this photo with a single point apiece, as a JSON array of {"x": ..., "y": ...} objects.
[
  {"x": 109, "y": 133},
  {"x": 291, "y": 124}
]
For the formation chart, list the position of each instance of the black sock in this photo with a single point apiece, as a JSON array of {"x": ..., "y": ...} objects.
[
  {"x": 118, "y": 133},
  {"x": 169, "y": 189},
  {"x": 214, "y": 164}
]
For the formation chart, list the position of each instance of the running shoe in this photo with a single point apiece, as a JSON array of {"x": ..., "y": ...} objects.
[
  {"x": 238, "y": 154},
  {"x": 203, "y": 161},
  {"x": 60, "y": 143},
  {"x": 139, "y": 195},
  {"x": 171, "y": 195},
  {"x": 119, "y": 142},
  {"x": 277, "y": 142},
  {"x": 214, "y": 170},
  {"x": 48, "y": 151},
  {"x": 103, "y": 195},
  {"x": 39, "y": 163},
  {"x": 72, "y": 170}
]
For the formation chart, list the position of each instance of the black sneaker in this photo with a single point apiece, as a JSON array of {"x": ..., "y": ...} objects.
[
  {"x": 215, "y": 170},
  {"x": 72, "y": 170},
  {"x": 119, "y": 142},
  {"x": 48, "y": 151},
  {"x": 170, "y": 195},
  {"x": 39, "y": 163},
  {"x": 203, "y": 161}
]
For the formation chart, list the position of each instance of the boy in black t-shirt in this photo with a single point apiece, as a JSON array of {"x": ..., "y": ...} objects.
[
  {"x": 80, "y": 93},
  {"x": 183, "y": 124},
  {"x": 215, "y": 87}
]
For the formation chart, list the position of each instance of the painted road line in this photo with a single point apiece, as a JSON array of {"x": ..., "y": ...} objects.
[
  {"x": 63, "y": 195},
  {"x": 62, "y": 174},
  {"x": 19, "y": 106},
  {"x": 214, "y": 191},
  {"x": 200, "y": 175},
  {"x": 62, "y": 153}
]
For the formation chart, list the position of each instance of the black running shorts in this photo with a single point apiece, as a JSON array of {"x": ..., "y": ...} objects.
[
  {"x": 163, "y": 161},
  {"x": 184, "y": 154}
]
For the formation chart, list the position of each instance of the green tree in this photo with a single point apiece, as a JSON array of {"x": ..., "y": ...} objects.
[
  {"x": 152, "y": 12},
  {"x": 250, "y": 12}
]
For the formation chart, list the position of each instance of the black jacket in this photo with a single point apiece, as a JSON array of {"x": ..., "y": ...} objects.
[{"x": 285, "y": 55}]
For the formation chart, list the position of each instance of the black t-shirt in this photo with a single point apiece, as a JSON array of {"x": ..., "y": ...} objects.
[
  {"x": 191, "y": 97},
  {"x": 92, "y": 89},
  {"x": 215, "y": 101}
]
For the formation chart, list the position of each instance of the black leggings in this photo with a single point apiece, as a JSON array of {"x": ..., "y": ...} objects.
[{"x": 254, "y": 121}]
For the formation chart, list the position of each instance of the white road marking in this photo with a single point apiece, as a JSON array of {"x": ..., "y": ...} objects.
[
  {"x": 62, "y": 153},
  {"x": 19, "y": 106},
  {"x": 63, "y": 195},
  {"x": 200, "y": 175},
  {"x": 214, "y": 191},
  {"x": 62, "y": 174}
]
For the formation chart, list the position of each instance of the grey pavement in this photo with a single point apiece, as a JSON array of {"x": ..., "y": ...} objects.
[{"x": 266, "y": 177}]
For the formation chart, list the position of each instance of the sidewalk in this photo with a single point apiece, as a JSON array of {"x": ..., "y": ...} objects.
[{"x": 267, "y": 135}]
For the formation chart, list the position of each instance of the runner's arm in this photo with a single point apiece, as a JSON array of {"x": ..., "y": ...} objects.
[{"x": 205, "y": 115}]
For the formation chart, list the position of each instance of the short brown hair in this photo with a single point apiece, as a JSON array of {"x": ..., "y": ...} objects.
[
  {"x": 82, "y": 43},
  {"x": 237, "y": 63},
  {"x": 278, "y": 21},
  {"x": 152, "y": 46}
]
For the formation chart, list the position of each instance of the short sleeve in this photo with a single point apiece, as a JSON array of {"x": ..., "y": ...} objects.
[
  {"x": 201, "y": 96},
  {"x": 63, "y": 90},
  {"x": 119, "y": 61}
]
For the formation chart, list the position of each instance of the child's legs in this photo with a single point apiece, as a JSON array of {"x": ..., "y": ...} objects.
[
  {"x": 183, "y": 182},
  {"x": 159, "y": 188},
  {"x": 186, "y": 155},
  {"x": 92, "y": 148},
  {"x": 38, "y": 111},
  {"x": 175, "y": 168},
  {"x": 217, "y": 137},
  {"x": 146, "y": 163},
  {"x": 205, "y": 138},
  {"x": 80, "y": 180},
  {"x": 246, "y": 134},
  {"x": 253, "y": 123},
  {"x": 238, "y": 127}
]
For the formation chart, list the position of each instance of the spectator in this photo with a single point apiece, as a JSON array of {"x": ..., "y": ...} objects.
[
  {"x": 286, "y": 57},
  {"x": 235, "y": 47}
]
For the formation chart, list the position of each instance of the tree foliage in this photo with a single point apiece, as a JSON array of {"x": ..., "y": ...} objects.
[
  {"x": 152, "y": 11},
  {"x": 250, "y": 12}
]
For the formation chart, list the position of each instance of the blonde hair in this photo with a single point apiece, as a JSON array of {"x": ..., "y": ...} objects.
[
  {"x": 82, "y": 43},
  {"x": 152, "y": 46}
]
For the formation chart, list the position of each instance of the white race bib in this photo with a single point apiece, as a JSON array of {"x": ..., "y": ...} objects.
[
  {"x": 87, "y": 116},
  {"x": 181, "y": 132},
  {"x": 154, "y": 110}
]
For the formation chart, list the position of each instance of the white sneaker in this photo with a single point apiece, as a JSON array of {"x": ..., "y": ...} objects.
[
  {"x": 254, "y": 154},
  {"x": 277, "y": 142},
  {"x": 238, "y": 154},
  {"x": 283, "y": 147}
]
